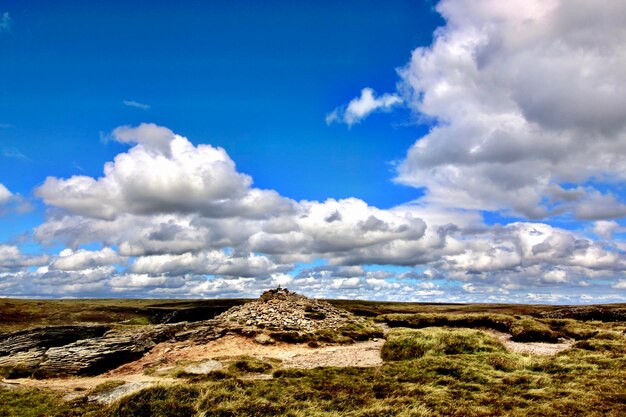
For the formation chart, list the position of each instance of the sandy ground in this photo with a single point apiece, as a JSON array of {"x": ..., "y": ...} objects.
[
  {"x": 534, "y": 348},
  {"x": 71, "y": 388},
  {"x": 166, "y": 355}
]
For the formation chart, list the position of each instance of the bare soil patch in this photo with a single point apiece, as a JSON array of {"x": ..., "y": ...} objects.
[
  {"x": 532, "y": 348},
  {"x": 166, "y": 355}
]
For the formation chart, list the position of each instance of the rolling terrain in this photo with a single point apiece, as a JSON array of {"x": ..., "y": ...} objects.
[{"x": 433, "y": 360}]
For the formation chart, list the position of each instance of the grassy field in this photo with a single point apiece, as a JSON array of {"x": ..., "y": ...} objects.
[
  {"x": 435, "y": 364},
  {"x": 19, "y": 314}
]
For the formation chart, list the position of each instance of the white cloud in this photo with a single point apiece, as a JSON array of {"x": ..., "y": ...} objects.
[
  {"x": 208, "y": 262},
  {"x": 133, "y": 103},
  {"x": 151, "y": 136},
  {"x": 12, "y": 203},
  {"x": 5, "y": 194},
  {"x": 163, "y": 173},
  {"x": 600, "y": 206},
  {"x": 605, "y": 229},
  {"x": 361, "y": 107},
  {"x": 161, "y": 204},
  {"x": 70, "y": 260},
  {"x": 526, "y": 96},
  {"x": 12, "y": 258}
]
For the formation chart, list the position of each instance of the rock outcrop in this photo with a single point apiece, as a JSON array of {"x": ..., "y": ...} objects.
[
  {"x": 53, "y": 352},
  {"x": 46, "y": 337},
  {"x": 24, "y": 350},
  {"x": 278, "y": 315}
]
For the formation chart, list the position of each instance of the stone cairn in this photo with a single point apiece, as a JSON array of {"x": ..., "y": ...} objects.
[{"x": 280, "y": 314}]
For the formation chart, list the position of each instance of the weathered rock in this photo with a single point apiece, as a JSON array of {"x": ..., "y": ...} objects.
[
  {"x": 55, "y": 351},
  {"x": 23, "y": 362},
  {"x": 203, "y": 367},
  {"x": 98, "y": 355},
  {"x": 46, "y": 337},
  {"x": 109, "y": 396},
  {"x": 94, "y": 356}
]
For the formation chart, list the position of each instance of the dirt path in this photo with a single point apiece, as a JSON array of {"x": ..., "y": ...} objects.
[
  {"x": 364, "y": 354},
  {"x": 533, "y": 348},
  {"x": 75, "y": 387}
]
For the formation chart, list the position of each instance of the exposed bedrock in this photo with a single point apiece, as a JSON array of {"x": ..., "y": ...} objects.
[
  {"x": 46, "y": 337},
  {"x": 89, "y": 352}
]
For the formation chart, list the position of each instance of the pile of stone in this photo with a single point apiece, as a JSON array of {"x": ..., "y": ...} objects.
[{"x": 283, "y": 314}]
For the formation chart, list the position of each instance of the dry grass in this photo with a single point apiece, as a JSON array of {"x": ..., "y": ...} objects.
[{"x": 432, "y": 371}]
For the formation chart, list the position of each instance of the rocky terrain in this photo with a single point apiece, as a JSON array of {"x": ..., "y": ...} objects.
[{"x": 278, "y": 315}]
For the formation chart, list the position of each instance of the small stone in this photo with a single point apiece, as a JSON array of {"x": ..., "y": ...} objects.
[
  {"x": 264, "y": 339},
  {"x": 203, "y": 367}
]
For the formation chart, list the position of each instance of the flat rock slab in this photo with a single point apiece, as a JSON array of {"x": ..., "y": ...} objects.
[
  {"x": 110, "y": 396},
  {"x": 204, "y": 367}
]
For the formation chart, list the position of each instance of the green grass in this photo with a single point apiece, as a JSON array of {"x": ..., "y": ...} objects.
[
  {"x": 442, "y": 368},
  {"x": 247, "y": 364},
  {"x": 475, "y": 382},
  {"x": 30, "y": 402},
  {"x": 452, "y": 372},
  {"x": 403, "y": 344},
  {"x": 523, "y": 329}
]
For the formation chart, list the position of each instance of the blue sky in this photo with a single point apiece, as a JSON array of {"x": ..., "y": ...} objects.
[
  {"x": 255, "y": 78},
  {"x": 437, "y": 139}
]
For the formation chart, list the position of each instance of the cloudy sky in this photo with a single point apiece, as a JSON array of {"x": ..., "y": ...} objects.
[{"x": 459, "y": 150}]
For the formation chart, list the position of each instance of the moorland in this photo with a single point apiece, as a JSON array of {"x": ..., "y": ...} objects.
[{"x": 433, "y": 360}]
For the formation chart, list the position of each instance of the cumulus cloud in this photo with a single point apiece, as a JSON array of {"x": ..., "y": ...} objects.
[
  {"x": 136, "y": 104},
  {"x": 521, "y": 246},
  {"x": 12, "y": 258},
  {"x": 163, "y": 173},
  {"x": 525, "y": 99},
  {"x": 605, "y": 229},
  {"x": 361, "y": 107},
  {"x": 178, "y": 220},
  {"x": 208, "y": 262},
  {"x": 12, "y": 203},
  {"x": 77, "y": 260},
  {"x": 5, "y": 194},
  {"x": 151, "y": 136}
]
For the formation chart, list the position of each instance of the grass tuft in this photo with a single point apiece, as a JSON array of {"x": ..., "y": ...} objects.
[{"x": 403, "y": 344}]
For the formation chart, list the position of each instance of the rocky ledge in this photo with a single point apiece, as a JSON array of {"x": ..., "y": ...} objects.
[{"x": 76, "y": 350}]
